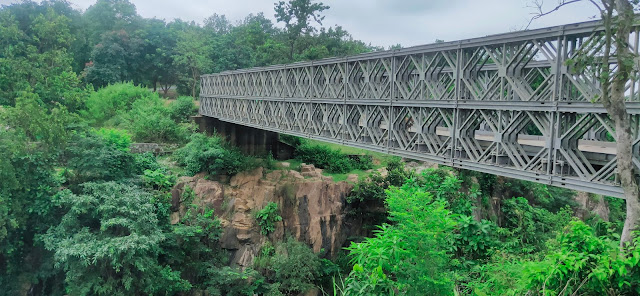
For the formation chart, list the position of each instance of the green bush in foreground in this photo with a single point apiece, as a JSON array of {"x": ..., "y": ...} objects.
[
  {"x": 108, "y": 243},
  {"x": 332, "y": 160},
  {"x": 149, "y": 120},
  {"x": 210, "y": 155},
  {"x": 409, "y": 257},
  {"x": 182, "y": 108},
  {"x": 292, "y": 268},
  {"x": 110, "y": 100},
  {"x": 581, "y": 263},
  {"x": 576, "y": 262}
]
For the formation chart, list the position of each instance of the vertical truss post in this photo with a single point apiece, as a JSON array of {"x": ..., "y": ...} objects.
[
  {"x": 345, "y": 86},
  {"x": 309, "y": 104},
  {"x": 454, "y": 129},
  {"x": 554, "y": 121},
  {"x": 392, "y": 82}
]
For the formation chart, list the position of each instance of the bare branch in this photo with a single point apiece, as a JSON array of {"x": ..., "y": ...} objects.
[{"x": 538, "y": 5}]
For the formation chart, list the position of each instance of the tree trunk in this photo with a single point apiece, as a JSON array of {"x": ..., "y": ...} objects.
[
  {"x": 155, "y": 83},
  {"x": 194, "y": 75},
  {"x": 291, "y": 50},
  {"x": 615, "y": 105}
]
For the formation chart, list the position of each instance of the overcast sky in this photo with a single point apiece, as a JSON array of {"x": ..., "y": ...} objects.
[{"x": 384, "y": 22}]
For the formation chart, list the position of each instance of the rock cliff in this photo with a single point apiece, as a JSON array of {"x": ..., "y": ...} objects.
[{"x": 312, "y": 207}]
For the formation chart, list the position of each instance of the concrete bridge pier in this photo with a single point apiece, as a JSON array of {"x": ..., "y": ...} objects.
[{"x": 249, "y": 140}]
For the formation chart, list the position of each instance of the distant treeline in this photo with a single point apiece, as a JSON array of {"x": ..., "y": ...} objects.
[{"x": 45, "y": 45}]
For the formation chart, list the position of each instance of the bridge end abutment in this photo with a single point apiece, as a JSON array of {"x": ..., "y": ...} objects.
[{"x": 249, "y": 140}]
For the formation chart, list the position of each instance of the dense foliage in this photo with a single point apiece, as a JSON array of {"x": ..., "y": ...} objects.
[
  {"x": 211, "y": 155},
  {"x": 80, "y": 214},
  {"x": 292, "y": 268},
  {"x": 522, "y": 250},
  {"x": 332, "y": 160},
  {"x": 409, "y": 257},
  {"x": 141, "y": 112},
  {"x": 108, "y": 242}
]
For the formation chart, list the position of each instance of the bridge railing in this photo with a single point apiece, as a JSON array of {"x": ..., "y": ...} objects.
[{"x": 515, "y": 104}]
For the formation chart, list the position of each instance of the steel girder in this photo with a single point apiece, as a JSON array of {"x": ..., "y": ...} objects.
[{"x": 506, "y": 104}]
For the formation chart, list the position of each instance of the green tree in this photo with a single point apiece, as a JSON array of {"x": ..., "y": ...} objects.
[
  {"x": 157, "y": 54},
  {"x": 110, "y": 15},
  {"x": 49, "y": 129},
  {"x": 108, "y": 243},
  {"x": 291, "y": 266},
  {"x": 30, "y": 138},
  {"x": 34, "y": 56},
  {"x": 94, "y": 158},
  {"x": 118, "y": 57},
  {"x": 113, "y": 100},
  {"x": 28, "y": 184},
  {"x": 193, "y": 55},
  {"x": 409, "y": 257},
  {"x": 297, "y": 16}
]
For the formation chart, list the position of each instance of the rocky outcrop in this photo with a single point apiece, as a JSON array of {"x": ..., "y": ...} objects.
[
  {"x": 311, "y": 205},
  {"x": 591, "y": 204}
]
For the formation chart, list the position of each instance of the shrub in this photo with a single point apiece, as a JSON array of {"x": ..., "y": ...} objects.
[
  {"x": 366, "y": 200},
  {"x": 530, "y": 226},
  {"x": 473, "y": 239},
  {"x": 292, "y": 266},
  {"x": 372, "y": 189},
  {"x": 139, "y": 111},
  {"x": 91, "y": 158},
  {"x": 331, "y": 159},
  {"x": 158, "y": 179},
  {"x": 181, "y": 109},
  {"x": 294, "y": 141},
  {"x": 580, "y": 262},
  {"x": 145, "y": 161},
  {"x": 267, "y": 217},
  {"x": 150, "y": 121},
  {"x": 211, "y": 155},
  {"x": 362, "y": 162},
  {"x": 113, "y": 99},
  {"x": 119, "y": 139},
  {"x": 409, "y": 257},
  {"x": 321, "y": 156},
  {"x": 228, "y": 281}
]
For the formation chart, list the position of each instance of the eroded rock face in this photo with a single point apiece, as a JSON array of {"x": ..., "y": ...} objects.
[
  {"x": 591, "y": 204},
  {"x": 312, "y": 207}
]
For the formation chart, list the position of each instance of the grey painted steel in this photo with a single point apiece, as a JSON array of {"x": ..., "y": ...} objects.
[{"x": 505, "y": 104}]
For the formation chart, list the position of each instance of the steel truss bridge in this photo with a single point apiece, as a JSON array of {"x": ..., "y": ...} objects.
[{"x": 508, "y": 104}]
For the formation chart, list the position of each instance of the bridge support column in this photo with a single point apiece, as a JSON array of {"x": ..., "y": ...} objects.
[{"x": 249, "y": 140}]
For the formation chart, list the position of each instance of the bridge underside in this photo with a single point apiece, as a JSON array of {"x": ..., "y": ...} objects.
[{"x": 507, "y": 105}]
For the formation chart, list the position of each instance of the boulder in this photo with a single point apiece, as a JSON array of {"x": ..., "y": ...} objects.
[{"x": 353, "y": 178}]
